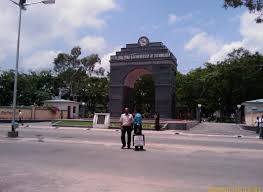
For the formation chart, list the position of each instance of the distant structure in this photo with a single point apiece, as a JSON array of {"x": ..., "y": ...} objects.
[
  {"x": 70, "y": 108},
  {"x": 252, "y": 110},
  {"x": 136, "y": 60}
]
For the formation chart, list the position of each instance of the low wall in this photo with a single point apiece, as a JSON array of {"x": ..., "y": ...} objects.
[
  {"x": 32, "y": 113},
  {"x": 251, "y": 118},
  {"x": 184, "y": 125}
]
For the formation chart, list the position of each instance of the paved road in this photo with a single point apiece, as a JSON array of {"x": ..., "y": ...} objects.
[
  {"x": 91, "y": 160},
  {"x": 113, "y": 136}
]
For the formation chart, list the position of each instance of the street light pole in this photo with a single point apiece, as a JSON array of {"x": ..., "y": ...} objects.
[
  {"x": 22, "y": 6},
  {"x": 238, "y": 114},
  {"x": 200, "y": 113},
  {"x": 16, "y": 71},
  {"x": 83, "y": 104}
]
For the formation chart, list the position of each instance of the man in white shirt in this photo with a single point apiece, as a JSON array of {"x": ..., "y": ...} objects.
[{"x": 126, "y": 126}]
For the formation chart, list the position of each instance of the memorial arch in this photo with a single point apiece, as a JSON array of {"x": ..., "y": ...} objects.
[{"x": 136, "y": 60}]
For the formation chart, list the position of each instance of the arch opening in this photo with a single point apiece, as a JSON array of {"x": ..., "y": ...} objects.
[
  {"x": 135, "y": 75},
  {"x": 139, "y": 92}
]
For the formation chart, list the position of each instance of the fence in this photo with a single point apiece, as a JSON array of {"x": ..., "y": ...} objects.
[{"x": 32, "y": 113}]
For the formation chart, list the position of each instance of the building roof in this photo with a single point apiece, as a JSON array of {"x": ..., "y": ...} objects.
[
  {"x": 60, "y": 101},
  {"x": 255, "y": 101}
]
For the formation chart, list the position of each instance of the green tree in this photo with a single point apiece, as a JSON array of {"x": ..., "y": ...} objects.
[
  {"x": 6, "y": 90},
  {"x": 144, "y": 94},
  {"x": 33, "y": 88},
  {"x": 94, "y": 93},
  {"x": 221, "y": 86},
  {"x": 255, "y": 6},
  {"x": 72, "y": 71}
]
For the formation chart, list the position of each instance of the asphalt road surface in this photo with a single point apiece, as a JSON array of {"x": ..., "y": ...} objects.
[{"x": 45, "y": 159}]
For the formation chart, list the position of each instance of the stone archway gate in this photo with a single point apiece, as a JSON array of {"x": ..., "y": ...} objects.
[{"x": 139, "y": 59}]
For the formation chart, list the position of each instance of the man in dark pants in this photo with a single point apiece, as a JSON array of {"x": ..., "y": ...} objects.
[
  {"x": 126, "y": 126},
  {"x": 20, "y": 117},
  {"x": 258, "y": 124},
  {"x": 157, "y": 121},
  {"x": 261, "y": 128}
]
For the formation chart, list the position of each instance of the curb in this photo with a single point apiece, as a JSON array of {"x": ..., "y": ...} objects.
[{"x": 208, "y": 135}]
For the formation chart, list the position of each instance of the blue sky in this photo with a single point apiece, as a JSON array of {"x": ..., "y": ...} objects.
[{"x": 195, "y": 32}]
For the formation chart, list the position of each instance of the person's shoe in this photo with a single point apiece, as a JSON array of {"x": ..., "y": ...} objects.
[
  {"x": 129, "y": 147},
  {"x": 123, "y": 147}
]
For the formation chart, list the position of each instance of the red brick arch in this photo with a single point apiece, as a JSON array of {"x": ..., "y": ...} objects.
[{"x": 134, "y": 75}]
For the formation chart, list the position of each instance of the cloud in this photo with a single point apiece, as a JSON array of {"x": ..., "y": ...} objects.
[
  {"x": 234, "y": 19},
  {"x": 203, "y": 44},
  {"x": 222, "y": 53},
  {"x": 8, "y": 32},
  {"x": 39, "y": 60},
  {"x": 173, "y": 18},
  {"x": 252, "y": 38},
  {"x": 190, "y": 30},
  {"x": 93, "y": 44},
  {"x": 155, "y": 27},
  {"x": 43, "y": 26},
  {"x": 250, "y": 30},
  {"x": 2, "y": 54},
  {"x": 44, "y": 60},
  {"x": 80, "y": 13},
  {"x": 105, "y": 59}
]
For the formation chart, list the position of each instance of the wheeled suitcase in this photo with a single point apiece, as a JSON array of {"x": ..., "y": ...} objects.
[{"x": 138, "y": 142}]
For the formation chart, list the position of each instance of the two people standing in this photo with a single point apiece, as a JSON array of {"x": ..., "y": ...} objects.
[{"x": 127, "y": 124}]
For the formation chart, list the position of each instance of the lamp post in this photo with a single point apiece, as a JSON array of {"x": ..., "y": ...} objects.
[
  {"x": 1, "y": 87},
  {"x": 238, "y": 114},
  {"x": 83, "y": 104},
  {"x": 200, "y": 113},
  {"x": 22, "y": 6}
]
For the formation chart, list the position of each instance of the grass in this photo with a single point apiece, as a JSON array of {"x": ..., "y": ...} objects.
[
  {"x": 144, "y": 125},
  {"x": 81, "y": 123}
]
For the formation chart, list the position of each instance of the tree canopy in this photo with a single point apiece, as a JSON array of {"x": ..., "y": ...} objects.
[
  {"x": 255, "y": 6},
  {"x": 72, "y": 71},
  {"x": 72, "y": 78},
  {"x": 144, "y": 94},
  {"x": 224, "y": 85},
  {"x": 33, "y": 88}
]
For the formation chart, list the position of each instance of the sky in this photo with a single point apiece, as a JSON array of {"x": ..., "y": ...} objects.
[{"x": 195, "y": 31}]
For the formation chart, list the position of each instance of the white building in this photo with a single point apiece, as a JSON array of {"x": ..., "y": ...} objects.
[
  {"x": 253, "y": 109},
  {"x": 71, "y": 107}
]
